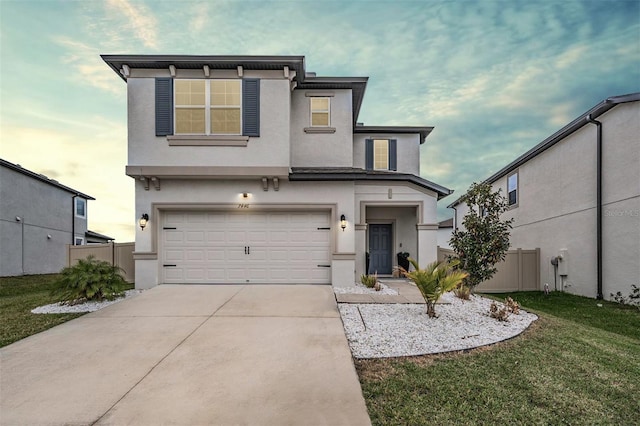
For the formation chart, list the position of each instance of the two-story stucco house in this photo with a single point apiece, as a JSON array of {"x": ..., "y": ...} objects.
[
  {"x": 576, "y": 196},
  {"x": 39, "y": 217},
  {"x": 252, "y": 170}
]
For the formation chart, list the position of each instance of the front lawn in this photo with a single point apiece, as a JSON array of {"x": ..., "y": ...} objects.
[
  {"x": 578, "y": 364},
  {"x": 18, "y": 296}
]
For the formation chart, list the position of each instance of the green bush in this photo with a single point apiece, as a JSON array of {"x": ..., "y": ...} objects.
[
  {"x": 89, "y": 279},
  {"x": 435, "y": 280},
  {"x": 369, "y": 281}
]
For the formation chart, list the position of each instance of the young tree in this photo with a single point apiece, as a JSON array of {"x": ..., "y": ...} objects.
[{"x": 485, "y": 239}]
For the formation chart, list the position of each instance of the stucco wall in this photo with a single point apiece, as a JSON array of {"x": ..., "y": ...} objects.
[
  {"x": 44, "y": 210},
  {"x": 324, "y": 149},
  {"x": 557, "y": 205},
  {"x": 408, "y": 147},
  {"x": 271, "y": 149},
  {"x": 291, "y": 195}
]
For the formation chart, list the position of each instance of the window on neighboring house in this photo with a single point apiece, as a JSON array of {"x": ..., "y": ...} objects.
[
  {"x": 320, "y": 112},
  {"x": 79, "y": 241},
  {"x": 512, "y": 189},
  {"x": 381, "y": 154},
  {"x": 81, "y": 207},
  {"x": 208, "y": 107}
]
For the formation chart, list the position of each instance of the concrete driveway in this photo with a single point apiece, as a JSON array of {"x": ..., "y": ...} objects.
[{"x": 191, "y": 355}]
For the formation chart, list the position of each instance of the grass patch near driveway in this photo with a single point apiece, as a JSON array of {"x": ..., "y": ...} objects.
[
  {"x": 18, "y": 296},
  {"x": 568, "y": 368}
]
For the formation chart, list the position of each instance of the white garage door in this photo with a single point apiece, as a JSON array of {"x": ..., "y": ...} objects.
[{"x": 246, "y": 247}]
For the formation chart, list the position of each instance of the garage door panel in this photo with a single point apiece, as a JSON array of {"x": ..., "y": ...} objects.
[{"x": 210, "y": 247}]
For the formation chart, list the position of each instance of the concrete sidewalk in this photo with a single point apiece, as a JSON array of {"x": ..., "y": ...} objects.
[{"x": 188, "y": 355}]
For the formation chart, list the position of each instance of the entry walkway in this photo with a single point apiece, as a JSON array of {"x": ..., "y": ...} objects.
[
  {"x": 407, "y": 293},
  {"x": 187, "y": 355}
]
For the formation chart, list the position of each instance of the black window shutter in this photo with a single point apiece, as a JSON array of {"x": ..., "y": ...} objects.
[
  {"x": 164, "y": 106},
  {"x": 251, "y": 107},
  {"x": 368, "y": 154},
  {"x": 393, "y": 154}
]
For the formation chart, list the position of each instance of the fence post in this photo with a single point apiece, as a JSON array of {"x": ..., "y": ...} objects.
[{"x": 520, "y": 269}]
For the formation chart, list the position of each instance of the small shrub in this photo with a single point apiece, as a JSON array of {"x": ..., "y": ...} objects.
[
  {"x": 435, "y": 280},
  {"x": 633, "y": 299},
  {"x": 512, "y": 306},
  {"x": 463, "y": 292},
  {"x": 497, "y": 312},
  {"x": 89, "y": 279},
  {"x": 369, "y": 281}
]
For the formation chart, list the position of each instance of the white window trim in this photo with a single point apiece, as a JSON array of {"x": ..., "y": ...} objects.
[
  {"x": 374, "y": 154},
  {"x": 75, "y": 241},
  {"x": 75, "y": 208},
  {"x": 517, "y": 175},
  {"x": 207, "y": 109},
  {"x": 328, "y": 111}
]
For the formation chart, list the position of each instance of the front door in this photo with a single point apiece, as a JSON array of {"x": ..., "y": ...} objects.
[{"x": 380, "y": 248}]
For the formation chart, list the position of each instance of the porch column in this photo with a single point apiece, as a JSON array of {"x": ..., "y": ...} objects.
[
  {"x": 427, "y": 243},
  {"x": 361, "y": 249}
]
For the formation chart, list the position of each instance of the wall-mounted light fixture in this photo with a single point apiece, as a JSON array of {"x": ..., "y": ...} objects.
[
  {"x": 18, "y": 219},
  {"x": 48, "y": 236},
  {"x": 143, "y": 220},
  {"x": 245, "y": 195},
  {"x": 343, "y": 222}
]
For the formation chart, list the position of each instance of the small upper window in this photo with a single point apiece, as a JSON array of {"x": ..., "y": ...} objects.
[
  {"x": 320, "y": 112},
  {"x": 512, "y": 189},
  {"x": 381, "y": 154},
  {"x": 81, "y": 207},
  {"x": 208, "y": 107}
]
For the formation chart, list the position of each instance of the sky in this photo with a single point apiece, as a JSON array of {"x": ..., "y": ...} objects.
[{"x": 493, "y": 77}]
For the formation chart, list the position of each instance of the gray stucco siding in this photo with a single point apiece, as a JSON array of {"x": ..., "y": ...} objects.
[
  {"x": 408, "y": 151},
  {"x": 270, "y": 149},
  {"x": 44, "y": 210},
  {"x": 322, "y": 149}
]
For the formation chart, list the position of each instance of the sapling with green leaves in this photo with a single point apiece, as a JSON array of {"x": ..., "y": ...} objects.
[
  {"x": 484, "y": 241},
  {"x": 435, "y": 280}
]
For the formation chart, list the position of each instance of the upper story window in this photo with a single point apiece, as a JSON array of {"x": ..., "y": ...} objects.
[
  {"x": 81, "y": 208},
  {"x": 208, "y": 107},
  {"x": 381, "y": 154},
  {"x": 512, "y": 189},
  {"x": 320, "y": 112}
]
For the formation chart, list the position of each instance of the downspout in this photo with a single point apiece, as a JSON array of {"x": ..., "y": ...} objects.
[
  {"x": 73, "y": 220},
  {"x": 598, "y": 201}
]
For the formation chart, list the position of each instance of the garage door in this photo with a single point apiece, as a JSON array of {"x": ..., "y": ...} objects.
[{"x": 246, "y": 247}]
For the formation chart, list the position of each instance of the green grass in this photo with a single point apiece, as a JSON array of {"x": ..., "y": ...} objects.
[
  {"x": 18, "y": 296},
  {"x": 578, "y": 364}
]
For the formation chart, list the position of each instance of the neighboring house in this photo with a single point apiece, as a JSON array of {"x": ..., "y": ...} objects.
[
  {"x": 574, "y": 202},
  {"x": 96, "y": 238},
  {"x": 445, "y": 229},
  {"x": 38, "y": 218},
  {"x": 252, "y": 170}
]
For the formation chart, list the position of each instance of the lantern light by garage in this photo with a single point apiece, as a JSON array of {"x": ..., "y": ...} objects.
[
  {"x": 143, "y": 220},
  {"x": 343, "y": 222}
]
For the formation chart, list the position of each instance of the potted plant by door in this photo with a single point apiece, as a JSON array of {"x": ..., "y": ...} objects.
[{"x": 403, "y": 260}]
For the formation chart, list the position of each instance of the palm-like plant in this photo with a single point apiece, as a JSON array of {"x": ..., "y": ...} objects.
[
  {"x": 90, "y": 279},
  {"x": 435, "y": 280}
]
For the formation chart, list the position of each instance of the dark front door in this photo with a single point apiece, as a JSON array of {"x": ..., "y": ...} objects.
[{"x": 380, "y": 249}]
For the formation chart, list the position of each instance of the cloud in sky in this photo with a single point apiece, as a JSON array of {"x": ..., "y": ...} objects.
[{"x": 494, "y": 77}]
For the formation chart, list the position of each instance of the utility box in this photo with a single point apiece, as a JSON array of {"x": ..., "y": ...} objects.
[{"x": 563, "y": 264}]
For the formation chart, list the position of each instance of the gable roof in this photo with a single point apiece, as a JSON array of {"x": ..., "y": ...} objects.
[
  {"x": 303, "y": 79},
  {"x": 558, "y": 136},
  {"x": 18, "y": 168},
  {"x": 353, "y": 174}
]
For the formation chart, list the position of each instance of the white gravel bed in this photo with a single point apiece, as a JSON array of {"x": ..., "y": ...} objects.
[
  {"x": 392, "y": 330},
  {"x": 361, "y": 289},
  {"x": 59, "y": 308}
]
